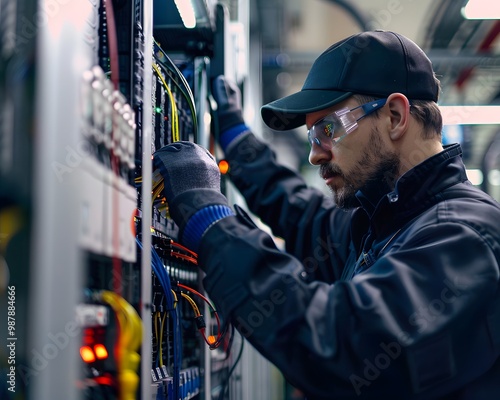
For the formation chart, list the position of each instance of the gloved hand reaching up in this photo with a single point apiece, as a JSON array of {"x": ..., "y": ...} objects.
[
  {"x": 192, "y": 188},
  {"x": 229, "y": 113}
]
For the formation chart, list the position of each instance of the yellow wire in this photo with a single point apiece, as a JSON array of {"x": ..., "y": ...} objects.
[
  {"x": 156, "y": 326},
  {"x": 175, "y": 297},
  {"x": 158, "y": 339},
  {"x": 11, "y": 222},
  {"x": 157, "y": 177},
  {"x": 193, "y": 304},
  {"x": 157, "y": 191},
  {"x": 129, "y": 342},
  {"x": 162, "y": 325},
  {"x": 187, "y": 93},
  {"x": 175, "y": 114},
  {"x": 108, "y": 297},
  {"x": 128, "y": 318}
]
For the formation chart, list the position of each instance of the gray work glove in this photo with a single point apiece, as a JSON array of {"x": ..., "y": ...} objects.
[
  {"x": 229, "y": 113},
  {"x": 192, "y": 181}
]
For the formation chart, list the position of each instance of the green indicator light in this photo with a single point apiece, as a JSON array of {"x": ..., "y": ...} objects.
[{"x": 158, "y": 110}]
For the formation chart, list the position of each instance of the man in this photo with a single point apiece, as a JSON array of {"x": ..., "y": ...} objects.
[{"x": 391, "y": 291}]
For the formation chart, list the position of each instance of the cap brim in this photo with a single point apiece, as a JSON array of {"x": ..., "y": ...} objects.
[{"x": 290, "y": 112}]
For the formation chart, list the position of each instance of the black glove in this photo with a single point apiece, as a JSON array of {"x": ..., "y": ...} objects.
[
  {"x": 192, "y": 180},
  {"x": 229, "y": 114}
]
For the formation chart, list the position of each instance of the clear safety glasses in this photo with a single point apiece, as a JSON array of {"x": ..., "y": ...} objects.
[{"x": 337, "y": 125}]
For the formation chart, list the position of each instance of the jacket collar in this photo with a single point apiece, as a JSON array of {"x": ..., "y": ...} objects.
[{"x": 414, "y": 192}]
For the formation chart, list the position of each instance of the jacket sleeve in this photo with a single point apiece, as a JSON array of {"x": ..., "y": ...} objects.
[
  {"x": 415, "y": 323},
  {"x": 314, "y": 230}
]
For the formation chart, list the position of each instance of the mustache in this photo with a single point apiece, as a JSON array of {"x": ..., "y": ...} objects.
[{"x": 328, "y": 170}]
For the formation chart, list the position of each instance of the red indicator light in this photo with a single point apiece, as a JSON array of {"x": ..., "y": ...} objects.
[
  {"x": 87, "y": 354},
  {"x": 223, "y": 167},
  {"x": 100, "y": 351}
]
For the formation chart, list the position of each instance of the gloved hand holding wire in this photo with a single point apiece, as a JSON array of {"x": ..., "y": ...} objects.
[
  {"x": 192, "y": 188},
  {"x": 229, "y": 111}
]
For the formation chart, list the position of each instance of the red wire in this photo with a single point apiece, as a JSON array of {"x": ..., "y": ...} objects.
[
  {"x": 196, "y": 293},
  {"x": 115, "y": 78},
  {"x": 112, "y": 42},
  {"x": 202, "y": 331},
  {"x": 181, "y": 247},
  {"x": 184, "y": 257},
  {"x": 219, "y": 332},
  {"x": 113, "y": 55}
]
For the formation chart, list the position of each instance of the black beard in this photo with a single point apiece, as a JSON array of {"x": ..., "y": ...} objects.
[
  {"x": 383, "y": 179},
  {"x": 383, "y": 171},
  {"x": 347, "y": 201}
]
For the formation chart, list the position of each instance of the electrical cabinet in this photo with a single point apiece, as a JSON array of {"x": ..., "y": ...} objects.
[
  {"x": 109, "y": 304},
  {"x": 104, "y": 97}
]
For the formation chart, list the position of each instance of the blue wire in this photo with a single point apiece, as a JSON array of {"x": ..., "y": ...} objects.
[
  {"x": 162, "y": 275},
  {"x": 162, "y": 272}
]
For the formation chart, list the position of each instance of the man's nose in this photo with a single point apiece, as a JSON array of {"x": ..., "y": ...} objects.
[{"x": 318, "y": 155}]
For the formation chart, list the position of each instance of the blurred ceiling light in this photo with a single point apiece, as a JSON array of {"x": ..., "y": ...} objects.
[
  {"x": 481, "y": 9},
  {"x": 186, "y": 11},
  {"x": 494, "y": 177},
  {"x": 475, "y": 176},
  {"x": 470, "y": 115}
]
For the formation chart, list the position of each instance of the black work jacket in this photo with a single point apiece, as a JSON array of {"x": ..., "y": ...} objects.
[{"x": 398, "y": 299}]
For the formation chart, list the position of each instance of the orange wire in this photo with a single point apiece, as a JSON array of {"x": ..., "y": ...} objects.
[
  {"x": 184, "y": 257},
  {"x": 181, "y": 247}
]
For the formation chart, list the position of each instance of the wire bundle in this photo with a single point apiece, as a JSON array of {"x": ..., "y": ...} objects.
[
  {"x": 128, "y": 343},
  {"x": 214, "y": 343},
  {"x": 162, "y": 275},
  {"x": 163, "y": 65},
  {"x": 167, "y": 64},
  {"x": 179, "y": 251},
  {"x": 173, "y": 104}
]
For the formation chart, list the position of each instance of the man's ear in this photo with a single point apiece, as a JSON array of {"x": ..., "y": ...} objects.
[{"x": 399, "y": 114}]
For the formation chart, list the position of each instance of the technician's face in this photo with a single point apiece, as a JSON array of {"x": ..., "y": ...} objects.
[{"x": 356, "y": 162}]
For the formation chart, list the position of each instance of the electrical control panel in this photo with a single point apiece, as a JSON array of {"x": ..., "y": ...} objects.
[
  {"x": 187, "y": 334},
  {"x": 113, "y": 114},
  {"x": 117, "y": 81}
]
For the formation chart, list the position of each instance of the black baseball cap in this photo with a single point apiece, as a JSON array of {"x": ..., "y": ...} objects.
[{"x": 375, "y": 63}]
